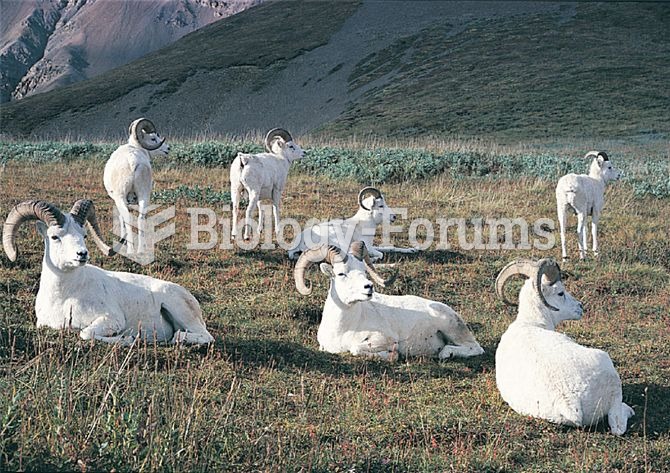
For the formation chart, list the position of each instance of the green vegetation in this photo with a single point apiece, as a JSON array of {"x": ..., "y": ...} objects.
[{"x": 264, "y": 398}]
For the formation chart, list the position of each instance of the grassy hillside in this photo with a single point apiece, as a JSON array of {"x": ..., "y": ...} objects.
[
  {"x": 264, "y": 398},
  {"x": 600, "y": 72},
  {"x": 503, "y": 71}
]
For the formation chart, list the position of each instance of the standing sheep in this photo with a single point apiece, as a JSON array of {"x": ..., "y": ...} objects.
[
  {"x": 263, "y": 176},
  {"x": 586, "y": 196},
  {"x": 128, "y": 178}
]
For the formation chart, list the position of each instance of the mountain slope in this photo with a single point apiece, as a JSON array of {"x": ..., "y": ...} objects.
[
  {"x": 47, "y": 44},
  {"x": 509, "y": 71}
]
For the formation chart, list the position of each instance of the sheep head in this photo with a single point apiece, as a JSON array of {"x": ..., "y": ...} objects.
[
  {"x": 280, "y": 141},
  {"x": 144, "y": 133},
  {"x": 602, "y": 167},
  {"x": 348, "y": 275},
  {"x": 370, "y": 199},
  {"x": 544, "y": 283},
  {"x": 63, "y": 233}
]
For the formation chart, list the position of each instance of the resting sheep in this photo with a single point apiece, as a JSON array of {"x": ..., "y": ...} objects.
[
  {"x": 263, "y": 176},
  {"x": 372, "y": 212},
  {"x": 128, "y": 178},
  {"x": 586, "y": 196},
  {"x": 545, "y": 374},
  {"x": 114, "y": 307},
  {"x": 358, "y": 320}
]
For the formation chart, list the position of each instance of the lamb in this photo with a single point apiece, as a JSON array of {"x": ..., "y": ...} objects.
[
  {"x": 372, "y": 212},
  {"x": 263, "y": 176},
  {"x": 586, "y": 196},
  {"x": 114, "y": 307},
  {"x": 128, "y": 178},
  {"x": 358, "y": 320},
  {"x": 545, "y": 374}
]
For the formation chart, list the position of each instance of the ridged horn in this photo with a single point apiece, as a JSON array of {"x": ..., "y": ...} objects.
[
  {"x": 142, "y": 127},
  {"x": 329, "y": 253},
  {"x": 83, "y": 212},
  {"x": 275, "y": 133},
  {"x": 532, "y": 270},
  {"x": 549, "y": 268},
  {"x": 360, "y": 252},
  {"x": 364, "y": 192},
  {"x": 596, "y": 154},
  {"x": 23, "y": 212}
]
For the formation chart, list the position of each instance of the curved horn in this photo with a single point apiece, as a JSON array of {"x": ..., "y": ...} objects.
[
  {"x": 360, "y": 252},
  {"x": 25, "y": 211},
  {"x": 546, "y": 267},
  {"x": 603, "y": 155},
  {"x": 83, "y": 211},
  {"x": 524, "y": 267},
  {"x": 140, "y": 128},
  {"x": 591, "y": 154},
  {"x": 330, "y": 254},
  {"x": 275, "y": 133},
  {"x": 368, "y": 190}
]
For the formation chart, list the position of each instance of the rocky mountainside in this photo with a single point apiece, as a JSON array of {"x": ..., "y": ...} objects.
[{"x": 45, "y": 44}]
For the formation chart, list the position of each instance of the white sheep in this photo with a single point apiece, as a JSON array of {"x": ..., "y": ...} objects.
[
  {"x": 128, "y": 178},
  {"x": 263, "y": 176},
  {"x": 114, "y": 307},
  {"x": 586, "y": 196},
  {"x": 358, "y": 320},
  {"x": 545, "y": 374},
  {"x": 372, "y": 212}
]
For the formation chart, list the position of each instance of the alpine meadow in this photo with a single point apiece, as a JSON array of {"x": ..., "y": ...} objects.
[{"x": 458, "y": 119}]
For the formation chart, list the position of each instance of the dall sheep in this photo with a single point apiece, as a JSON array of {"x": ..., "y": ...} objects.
[
  {"x": 128, "y": 178},
  {"x": 358, "y": 320},
  {"x": 545, "y": 374},
  {"x": 113, "y": 307},
  {"x": 263, "y": 176},
  {"x": 586, "y": 196},
  {"x": 372, "y": 212}
]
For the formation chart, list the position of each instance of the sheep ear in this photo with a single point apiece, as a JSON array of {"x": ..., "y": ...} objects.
[
  {"x": 41, "y": 228},
  {"x": 327, "y": 269}
]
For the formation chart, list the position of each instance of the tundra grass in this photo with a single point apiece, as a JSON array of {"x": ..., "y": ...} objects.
[{"x": 264, "y": 398}]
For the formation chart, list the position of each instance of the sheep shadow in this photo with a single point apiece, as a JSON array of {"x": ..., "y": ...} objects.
[
  {"x": 293, "y": 357},
  {"x": 651, "y": 403}
]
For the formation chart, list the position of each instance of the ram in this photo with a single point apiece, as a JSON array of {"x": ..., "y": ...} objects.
[
  {"x": 358, "y": 320},
  {"x": 545, "y": 374},
  {"x": 114, "y": 307},
  {"x": 263, "y": 176},
  {"x": 585, "y": 194},
  {"x": 372, "y": 212},
  {"x": 128, "y": 178}
]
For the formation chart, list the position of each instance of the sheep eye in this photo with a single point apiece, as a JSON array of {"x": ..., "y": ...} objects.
[
  {"x": 561, "y": 293},
  {"x": 55, "y": 238},
  {"x": 341, "y": 274}
]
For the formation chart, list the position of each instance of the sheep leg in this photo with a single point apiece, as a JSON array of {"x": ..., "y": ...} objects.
[
  {"x": 102, "y": 328},
  {"x": 184, "y": 314},
  {"x": 581, "y": 235},
  {"x": 594, "y": 233},
  {"x": 462, "y": 351},
  {"x": 142, "y": 226},
  {"x": 618, "y": 416},
  {"x": 261, "y": 217},
  {"x": 125, "y": 228},
  {"x": 253, "y": 202},
  {"x": 235, "y": 196},
  {"x": 376, "y": 345},
  {"x": 276, "y": 204},
  {"x": 562, "y": 222}
]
